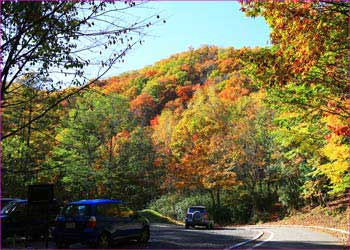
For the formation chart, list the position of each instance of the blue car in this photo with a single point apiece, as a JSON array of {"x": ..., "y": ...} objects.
[{"x": 99, "y": 223}]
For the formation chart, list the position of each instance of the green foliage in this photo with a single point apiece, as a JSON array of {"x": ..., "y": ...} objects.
[
  {"x": 175, "y": 206},
  {"x": 155, "y": 217},
  {"x": 252, "y": 134}
]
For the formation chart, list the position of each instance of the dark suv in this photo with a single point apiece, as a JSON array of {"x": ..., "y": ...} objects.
[
  {"x": 198, "y": 216},
  {"x": 99, "y": 223},
  {"x": 23, "y": 219}
]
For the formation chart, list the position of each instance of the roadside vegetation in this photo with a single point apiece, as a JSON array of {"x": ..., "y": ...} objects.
[
  {"x": 253, "y": 134},
  {"x": 318, "y": 216},
  {"x": 155, "y": 217}
]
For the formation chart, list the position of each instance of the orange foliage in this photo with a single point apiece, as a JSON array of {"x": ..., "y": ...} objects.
[
  {"x": 186, "y": 92},
  {"x": 228, "y": 65},
  {"x": 150, "y": 73},
  {"x": 143, "y": 107},
  {"x": 233, "y": 93},
  {"x": 185, "y": 67}
]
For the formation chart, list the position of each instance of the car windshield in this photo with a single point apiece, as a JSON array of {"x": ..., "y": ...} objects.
[
  {"x": 195, "y": 209},
  {"x": 5, "y": 202},
  {"x": 76, "y": 210}
]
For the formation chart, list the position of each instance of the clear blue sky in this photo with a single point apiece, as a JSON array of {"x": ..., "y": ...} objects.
[{"x": 194, "y": 24}]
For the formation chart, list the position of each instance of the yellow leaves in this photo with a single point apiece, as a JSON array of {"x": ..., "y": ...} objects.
[
  {"x": 332, "y": 120},
  {"x": 289, "y": 115},
  {"x": 335, "y": 171},
  {"x": 338, "y": 155},
  {"x": 336, "y": 151},
  {"x": 60, "y": 136}
]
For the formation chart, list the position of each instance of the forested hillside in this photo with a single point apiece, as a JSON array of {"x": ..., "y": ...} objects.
[{"x": 252, "y": 133}]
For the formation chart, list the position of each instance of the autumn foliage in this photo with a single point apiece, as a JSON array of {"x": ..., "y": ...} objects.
[{"x": 254, "y": 129}]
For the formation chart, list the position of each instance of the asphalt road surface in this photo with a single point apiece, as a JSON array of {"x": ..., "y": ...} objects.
[
  {"x": 288, "y": 238},
  {"x": 164, "y": 236}
]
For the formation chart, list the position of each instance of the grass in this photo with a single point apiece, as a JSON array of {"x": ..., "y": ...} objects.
[{"x": 155, "y": 217}]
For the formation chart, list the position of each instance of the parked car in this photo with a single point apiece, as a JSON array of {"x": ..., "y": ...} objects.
[
  {"x": 5, "y": 201},
  {"x": 99, "y": 223},
  {"x": 19, "y": 218},
  {"x": 198, "y": 216}
]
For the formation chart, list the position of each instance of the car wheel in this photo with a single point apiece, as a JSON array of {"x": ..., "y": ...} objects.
[
  {"x": 145, "y": 235},
  {"x": 104, "y": 241},
  {"x": 187, "y": 226}
]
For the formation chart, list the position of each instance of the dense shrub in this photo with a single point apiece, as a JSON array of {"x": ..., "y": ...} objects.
[
  {"x": 176, "y": 206},
  {"x": 229, "y": 212}
]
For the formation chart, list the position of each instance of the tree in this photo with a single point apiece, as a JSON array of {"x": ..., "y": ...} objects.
[
  {"x": 25, "y": 152},
  {"x": 59, "y": 40},
  {"x": 87, "y": 148},
  {"x": 144, "y": 108},
  {"x": 140, "y": 178},
  {"x": 308, "y": 61},
  {"x": 201, "y": 148},
  {"x": 306, "y": 72}
]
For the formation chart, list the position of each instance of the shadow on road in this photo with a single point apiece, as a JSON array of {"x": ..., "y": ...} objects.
[{"x": 164, "y": 236}]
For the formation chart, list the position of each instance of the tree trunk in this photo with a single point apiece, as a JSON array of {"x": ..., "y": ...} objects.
[
  {"x": 110, "y": 165},
  {"x": 212, "y": 198},
  {"x": 218, "y": 200}
]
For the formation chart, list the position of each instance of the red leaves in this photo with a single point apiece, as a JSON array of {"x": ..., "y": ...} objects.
[
  {"x": 143, "y": 107},
  {"x": 143, "y": 100},
  {"x": 157, "y": 162},
  {"x": 186, "y": 92},
  {"x": 154, "y": 121},
  {"x": 343, "y": 130}
]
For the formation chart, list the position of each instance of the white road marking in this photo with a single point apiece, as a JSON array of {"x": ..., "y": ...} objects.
[
  {"x": 260, "y": 233},
  {"x": 331, "y": 229},
  {"x": 264, "y": 241}
]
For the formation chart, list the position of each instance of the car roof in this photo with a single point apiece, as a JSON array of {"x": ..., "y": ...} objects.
[
  {"x": 197, "y": 207},
  {"x": 10, "y": 199},
  {"x": 96, "y": 201},
  {"x": 16, "y": 200}
]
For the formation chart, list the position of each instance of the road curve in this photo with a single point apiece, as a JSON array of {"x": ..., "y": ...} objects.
[
  {"x": 288, "y": 238},
  {"x": 177, "y": 237},
  {"x": 165, "y": 236}
]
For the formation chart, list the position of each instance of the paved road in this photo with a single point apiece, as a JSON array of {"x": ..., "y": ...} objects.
[
  {"x": 177, "y": 237},
  {"x": 288, "y": 238},
  {"x": 165, "y": 236}
]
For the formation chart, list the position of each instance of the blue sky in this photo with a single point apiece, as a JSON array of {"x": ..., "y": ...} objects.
[{"x": 194, "y": 24}]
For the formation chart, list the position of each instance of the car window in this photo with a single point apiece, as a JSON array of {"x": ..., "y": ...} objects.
[
  {"x": 125, "y": 211},
  {"x": 108, "y": 210},
  {"x": 195, "y": 209},
  {"x": 76, "y": 210},
  {"x": 8, "y": 208},
  {"x": 5, "y": 202}
]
